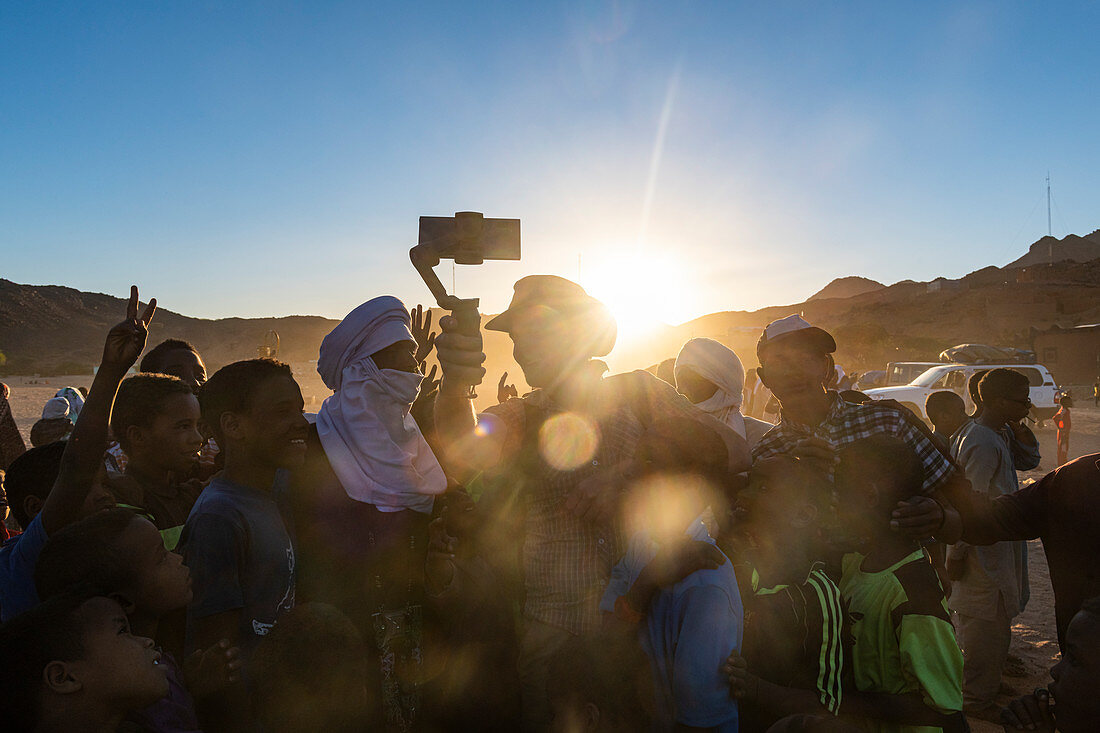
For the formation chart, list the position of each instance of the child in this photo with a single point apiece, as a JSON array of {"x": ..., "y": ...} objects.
[
  {"x": 73, "y": 663},
  {"x": 62, "y": 482},
  {"x": 793, "y": 657},
  {"x": 1076, "y": 686},
  {"x": 904, "y": 646},
  {"x": 155, "y": 421},
  {"x": 178, "y": 359},
  {"x": 1063, "y": 423},
  {"x": 121, "y": 553},
  {"x": 309, "y": 674},
  {"x": 687, "y": 627},
  {"x": 235, "y": 541},
  {"x": 947, "y": 413}
]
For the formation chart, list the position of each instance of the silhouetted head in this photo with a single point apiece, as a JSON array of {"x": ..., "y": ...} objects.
[
  {"x": 555, "y": 328},
  {"x": 795, "y": 358},
  {"x": 946, "y": 410},
  {"x": 255, "y": 407},
  {"x": 1006, "y": 395},
  {"x": 178, "y": 358}
]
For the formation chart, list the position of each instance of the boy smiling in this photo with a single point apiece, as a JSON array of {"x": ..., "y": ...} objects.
[{"x": 236, "y": 541}]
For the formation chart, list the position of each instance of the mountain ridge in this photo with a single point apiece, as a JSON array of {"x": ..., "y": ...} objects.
[{"x": 55, "y": 329}]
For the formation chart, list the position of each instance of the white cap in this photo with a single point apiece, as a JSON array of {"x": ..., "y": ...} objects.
[{"x": 796, "y": 327}]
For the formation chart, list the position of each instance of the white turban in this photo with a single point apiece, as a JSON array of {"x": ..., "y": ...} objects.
[
  {"x": 371, "y": 440},
  {"x": 719, "y": 365},
  {"x": 55, "y": 407}
]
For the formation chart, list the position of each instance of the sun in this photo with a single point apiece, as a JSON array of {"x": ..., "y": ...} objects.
[{"x": 642, "y": 289}]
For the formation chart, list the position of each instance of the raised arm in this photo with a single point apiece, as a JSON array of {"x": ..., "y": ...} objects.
[
  {"x": 83, "y": 454},
  {"x": 460, "y": 358}
]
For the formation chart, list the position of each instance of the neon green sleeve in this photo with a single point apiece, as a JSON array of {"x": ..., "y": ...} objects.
[{"x": 930, "y": 657}]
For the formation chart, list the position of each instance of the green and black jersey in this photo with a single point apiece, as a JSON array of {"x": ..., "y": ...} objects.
[{"x": 903, "y": 640}]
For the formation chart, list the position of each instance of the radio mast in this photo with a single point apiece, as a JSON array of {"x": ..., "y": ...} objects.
[{"x": 1050, "y": 243}]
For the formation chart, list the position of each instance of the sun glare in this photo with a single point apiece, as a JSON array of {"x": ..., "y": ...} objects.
[{"x": 642, "y": 290}]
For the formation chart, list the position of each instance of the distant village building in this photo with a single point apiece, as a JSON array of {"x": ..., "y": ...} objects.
[{"x": 1071, "y": 354}]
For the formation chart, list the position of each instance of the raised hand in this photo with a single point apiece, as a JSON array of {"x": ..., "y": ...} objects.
[
  {"x": 504, "y": 390},
  {"x": 126, "y": 340},
  {"x": 460, "y": 356},
  {"x": 425, "y": 400},
  {"x": 422, "y": 331}
]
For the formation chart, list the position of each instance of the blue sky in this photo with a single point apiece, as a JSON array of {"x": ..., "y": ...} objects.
[{"x": 270, "y": 158}]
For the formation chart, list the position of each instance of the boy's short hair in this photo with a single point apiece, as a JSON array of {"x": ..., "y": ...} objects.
[
  {"x": 972, "y": 385},
  {"x": 999, "y": 382},
  {"x": 140, "y": 399},
  {"x": 32, "y": 474},
  {"x": 84, "y": 552},
  {"x": 608, "y": 670},
  {"x": 311, "y": 666},
  {"x": 941, "y": 400},
  {"x": 153, "y": 361},
  {"x": 883, "y": 456},
  {"x": 232, "y": 388},
  {"x": 51, "y": 631}
]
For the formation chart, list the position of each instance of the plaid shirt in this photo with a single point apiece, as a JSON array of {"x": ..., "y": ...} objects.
[
  {"x": 567, "y": 561},
  {"x": 845, "y": 424}
]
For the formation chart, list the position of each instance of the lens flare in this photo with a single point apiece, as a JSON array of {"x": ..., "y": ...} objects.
[
  {"x": 665, "y": 504},
  {"x": 568, "y": 441}
]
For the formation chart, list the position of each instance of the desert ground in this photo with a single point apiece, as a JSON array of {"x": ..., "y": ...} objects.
[{"x": 1034, "y": 643}]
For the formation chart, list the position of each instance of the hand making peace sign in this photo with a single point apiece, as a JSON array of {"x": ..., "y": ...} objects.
[{"x": 126, "y": 340}]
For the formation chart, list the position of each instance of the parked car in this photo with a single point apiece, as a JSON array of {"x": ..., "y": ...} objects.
[
  {"x": 956, "y": 377},
  {"x": 871, "y": 379},
  {"x": 904, "y": 372}
]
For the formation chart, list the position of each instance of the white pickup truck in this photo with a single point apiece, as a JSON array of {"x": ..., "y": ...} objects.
[{"x": 955, "y": 377}]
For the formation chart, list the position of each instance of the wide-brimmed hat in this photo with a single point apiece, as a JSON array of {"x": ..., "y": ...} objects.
[
  {"x": 536, "y": 294},
  {"x": 795, "y": 329}
]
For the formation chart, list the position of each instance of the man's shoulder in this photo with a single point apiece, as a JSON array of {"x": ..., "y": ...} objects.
[
  {"x": 887, "y": 416},
  {"x": 974, "y": 435},
  {"x": 218, "y": 498},
  {"x": 714, "y": 583},
  {"x": 34, "y": 534}
]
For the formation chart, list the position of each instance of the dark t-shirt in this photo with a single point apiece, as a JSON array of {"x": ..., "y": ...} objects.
[
  {"x": 241, "y": 554},
  {"x": 168, "y": 506},
  {"x": 1063, "y": 510}
]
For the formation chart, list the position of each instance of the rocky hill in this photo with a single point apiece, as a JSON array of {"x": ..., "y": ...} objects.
[
  {"x": 847, "y": 287},
  {"x": 53, "y": 330},
  {"x": 1072, "y": 248}
]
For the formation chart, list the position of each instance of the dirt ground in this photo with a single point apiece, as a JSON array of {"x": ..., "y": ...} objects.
[{"x": 1034, "y": 641}]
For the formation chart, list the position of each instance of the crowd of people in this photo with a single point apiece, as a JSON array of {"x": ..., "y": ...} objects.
[{"x": 622, "y": 552}]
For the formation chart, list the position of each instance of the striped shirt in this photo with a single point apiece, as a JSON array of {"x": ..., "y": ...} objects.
[
  {"x": 794, "y": 637},
  {"x": 847, "y": 423},
  {"x": 548, "y": 452}
]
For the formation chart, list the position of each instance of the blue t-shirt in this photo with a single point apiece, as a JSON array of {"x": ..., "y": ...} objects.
[
  {"x": 238, "y": 544},
  {"x": 690, "y": 630},
  {"x": 18, "y": 558}
]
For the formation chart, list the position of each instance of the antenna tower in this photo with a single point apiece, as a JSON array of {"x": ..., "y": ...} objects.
[{"x": 1050, "y": 244}]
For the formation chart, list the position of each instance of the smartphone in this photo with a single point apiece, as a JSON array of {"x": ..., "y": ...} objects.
[{"x": 469, "y": 239}]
